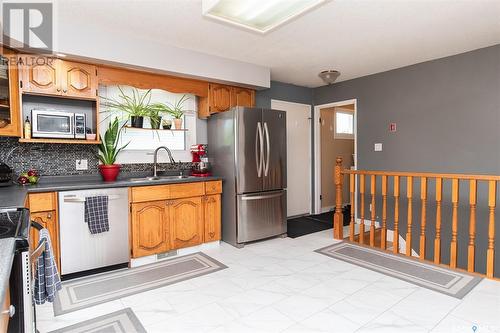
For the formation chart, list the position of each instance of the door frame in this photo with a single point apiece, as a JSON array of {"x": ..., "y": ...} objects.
[
  {"x": 317, "y": 147},
  {"x": 309, "y": 158}
]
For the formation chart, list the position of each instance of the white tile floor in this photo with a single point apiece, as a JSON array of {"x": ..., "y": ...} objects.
[{"x": 281, "y": 285}]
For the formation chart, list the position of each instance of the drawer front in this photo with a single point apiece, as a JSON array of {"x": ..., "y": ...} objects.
[
  {"x": 214, "y": 187},
  {"x": 186, "y": 190},
  {"x": 41, "y": 202},
  {"x": 150, "y": 193}
]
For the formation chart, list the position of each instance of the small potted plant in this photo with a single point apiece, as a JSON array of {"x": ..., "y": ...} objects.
[
  {"x": 175, "y": 110},
  {"x": 136, "y": 106},
  {"x": 167, "y": 124},
  {"x": 108, "y": 151},
  {"x": 154, "y": 118}
]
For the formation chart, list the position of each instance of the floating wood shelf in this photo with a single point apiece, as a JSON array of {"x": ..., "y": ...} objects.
[
  {"x": 157, "y": 129},
  {"x": 65, "y": 141}
]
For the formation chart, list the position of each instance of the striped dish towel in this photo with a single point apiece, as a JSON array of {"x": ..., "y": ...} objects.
[
  {"x": 47, "y": 280},
  {"x": 96, "y": 214}
]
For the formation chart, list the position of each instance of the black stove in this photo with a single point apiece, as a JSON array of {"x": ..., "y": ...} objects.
[{"x": 14, "y": 223}]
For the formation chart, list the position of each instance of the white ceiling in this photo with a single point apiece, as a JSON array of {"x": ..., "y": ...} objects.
[{"x": 356, "y": 37}]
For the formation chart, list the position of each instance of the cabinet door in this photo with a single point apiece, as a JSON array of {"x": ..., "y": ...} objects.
[
  {"x": 49, "y": 221},
  {"x": 220, "y": 98},
  {"x": 43, "y": 78},
  {"x": 149, "y": 228},
  {"x": 78, "y": 80},
  {"x": 10, "y": 110},
  {"x": 186, "y": 222},
  {"x": 212, "y": 217},
  {"x": 242, "y": 97}
]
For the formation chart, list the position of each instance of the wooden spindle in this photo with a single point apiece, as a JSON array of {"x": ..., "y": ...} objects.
[
  {"x": 437, "y": 240},
  {"x": 454, "y": 222},
  {"x": 409, "y": 196},
  {"x": 471, "y": 248},
  {"x": 423, "y": 213},
  {"x": 362, "y": 209},
  {"x": 383, "y": 243},
  {"x": 395, "y": 241},
  {"x": 490, "y": 254},
  {"x": 373, "y": 183},
  {"x": 338, "y": 219},
  {"x": 352, "y": 186}
]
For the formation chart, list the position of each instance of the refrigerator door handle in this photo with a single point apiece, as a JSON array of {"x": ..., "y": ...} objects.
[
  {"x": 260, "y": 197},
  {"x": 259, "y": 148},
  {"x": 268, "y": 144}
]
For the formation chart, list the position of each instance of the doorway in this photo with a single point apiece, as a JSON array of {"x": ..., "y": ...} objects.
[
  {"x": 335, "y": 135},
  {"x": 298, "y": 137}
]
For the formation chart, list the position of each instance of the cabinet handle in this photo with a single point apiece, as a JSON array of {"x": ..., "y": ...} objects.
[
  {"x": 58, "y": 89},
  {"x": 65, "y": 91},
  {"x": 49, "y": 215},
  {"x": 11, "y": 311}
]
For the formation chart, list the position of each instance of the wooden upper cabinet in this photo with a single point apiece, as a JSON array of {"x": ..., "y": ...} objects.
[
  {"x": 242, "y": 97},
  {"x": 220, "y": 97},
  {"x": 42, "y": 78},
  {"x": 212, "y": 217},
  {"x": 60, "y": 78},
  {"x": 186, "y": 222},
  {"x": 78, "y": 80},
  {"x": 150, "y": 228},
  {"x": 10, "y": 107}
]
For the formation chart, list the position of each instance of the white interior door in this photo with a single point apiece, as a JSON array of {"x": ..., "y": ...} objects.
[{"x": 298, "y": 141}]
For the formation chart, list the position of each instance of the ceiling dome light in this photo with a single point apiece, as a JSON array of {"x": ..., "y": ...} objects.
[{"x": 329, "y": 76}]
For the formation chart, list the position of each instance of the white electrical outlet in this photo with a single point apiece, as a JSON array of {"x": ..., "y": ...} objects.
[
  {"x": 82, "y": 164},
  {"x": 377, "y": 147}
]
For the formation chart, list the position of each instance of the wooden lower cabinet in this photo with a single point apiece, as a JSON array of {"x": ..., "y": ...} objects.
[
  {"x": 186, "y": 222},
  {"x": 48, "y": 220},
  {"x": 150, "y": 228},
  {"x": 212, "y": 217},
  {"x": 190, "y": 216},
  {"x": 4, "y": 314}
]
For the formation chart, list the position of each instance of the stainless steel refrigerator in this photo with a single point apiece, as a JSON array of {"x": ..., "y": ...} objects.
[{"x": 247, "y": 147}]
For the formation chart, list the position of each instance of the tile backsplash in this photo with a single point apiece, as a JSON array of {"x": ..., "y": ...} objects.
[{"x": 59, "y": 159}]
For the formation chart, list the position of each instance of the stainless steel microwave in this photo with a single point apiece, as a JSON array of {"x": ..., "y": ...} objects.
[{"x": 57, "y": 124}]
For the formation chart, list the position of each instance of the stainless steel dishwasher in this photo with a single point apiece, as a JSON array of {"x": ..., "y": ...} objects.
[{"x": 80, "y": 250}]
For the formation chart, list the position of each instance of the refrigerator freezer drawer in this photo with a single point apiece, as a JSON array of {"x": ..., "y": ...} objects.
[{"x": 261, "y": 215}]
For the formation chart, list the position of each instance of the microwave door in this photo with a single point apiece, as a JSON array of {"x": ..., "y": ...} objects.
[{"x": 53, "y": 125}]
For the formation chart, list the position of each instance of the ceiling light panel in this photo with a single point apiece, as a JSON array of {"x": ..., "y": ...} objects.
[{"x": 257, "y": 15}]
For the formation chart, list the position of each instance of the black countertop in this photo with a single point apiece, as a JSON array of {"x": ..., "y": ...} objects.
[{"x": 15, "y": 195}]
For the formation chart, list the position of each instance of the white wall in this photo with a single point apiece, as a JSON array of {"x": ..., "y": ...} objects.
[{"x": 75, "y": 36}]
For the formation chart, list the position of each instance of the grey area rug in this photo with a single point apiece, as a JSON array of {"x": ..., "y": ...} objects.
[
  {"x": 122, "y": 321},
  {"x": 440, "y": 279},
  {"x": 89, "y": 291}
]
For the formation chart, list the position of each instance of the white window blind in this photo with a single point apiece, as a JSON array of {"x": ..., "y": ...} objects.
[{"x": 344, "y": 125}]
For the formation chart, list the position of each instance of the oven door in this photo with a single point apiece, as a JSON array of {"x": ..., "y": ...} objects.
[{"x": 52, "y": 124}]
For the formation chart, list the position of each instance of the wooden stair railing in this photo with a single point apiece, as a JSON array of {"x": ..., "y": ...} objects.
[{"x": 357, "y": 181}]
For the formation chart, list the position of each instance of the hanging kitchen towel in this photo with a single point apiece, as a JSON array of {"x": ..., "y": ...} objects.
[
  {"x": 96, "y": 214},
  {"x": 47, "y": 280}
]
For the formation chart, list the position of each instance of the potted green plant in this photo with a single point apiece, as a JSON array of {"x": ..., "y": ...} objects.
[
  {"x": 136, "y": 106},
  {"x": 155, "y": 118},
  {"x": 108, "y": 151},
  {"x": 174, "y": 109}
]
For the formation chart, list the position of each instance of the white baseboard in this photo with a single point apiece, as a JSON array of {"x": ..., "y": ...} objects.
[{"x": 172, "y": 254}]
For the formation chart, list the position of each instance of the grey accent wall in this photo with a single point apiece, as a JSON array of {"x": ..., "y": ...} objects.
[
  {"x": 448, "y": 120},
  {"x": 283, "y": 92},
  {"x": 447, "y": 113}
]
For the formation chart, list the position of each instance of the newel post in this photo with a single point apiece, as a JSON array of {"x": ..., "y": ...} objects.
[{"x": 338, "y": 219}]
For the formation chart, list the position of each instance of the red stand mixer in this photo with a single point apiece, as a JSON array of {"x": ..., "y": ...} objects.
[{"x": 201, "y": 167}]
